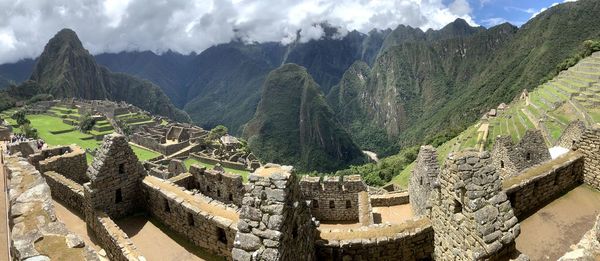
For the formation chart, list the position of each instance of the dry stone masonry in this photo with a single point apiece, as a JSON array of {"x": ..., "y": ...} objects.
[
  {"x": 423, "y": 180},
  {"x": 275, "y": 223},
  {"x": 589, "y": 146},
  {"x": 218, "y": 184},
  {"x": 571, "y": 134},
  {"x": 334, "y": 198},
  {"x": 472, "y": 217},
  {"x": 511, "y": 159}
]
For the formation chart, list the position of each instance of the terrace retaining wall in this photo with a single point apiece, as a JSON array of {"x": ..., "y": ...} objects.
[
  {"x": 153, "y": 144},
  {"x": 535, "y": 187},
  {"x": 224, "y": 163},
  {"x": 390, "y": 199}
]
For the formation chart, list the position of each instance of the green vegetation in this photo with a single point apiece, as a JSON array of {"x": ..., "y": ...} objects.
[
  {"x": 217, "y": 132},
  {"x": 293, "y": 125},
  {"x": 86, "y": 123},
  {"x": 189, "y": 161}
]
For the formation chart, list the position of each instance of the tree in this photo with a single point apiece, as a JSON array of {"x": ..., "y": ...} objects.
[
  {"x": 86, "y": 123},
  {"x": 28, "y": 131},
  {"x": 217, "y": 132},
  {"x": 20, "y": 118}
]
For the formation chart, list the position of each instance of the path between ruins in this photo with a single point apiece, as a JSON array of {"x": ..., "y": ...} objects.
[
  {"x": 549, "y": 232},
  {"x": 4, "y": 240}
]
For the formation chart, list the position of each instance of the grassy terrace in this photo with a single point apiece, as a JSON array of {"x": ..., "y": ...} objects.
[
  {"x": 46, "y": 124},
  {"x": 189, "y": 161}
]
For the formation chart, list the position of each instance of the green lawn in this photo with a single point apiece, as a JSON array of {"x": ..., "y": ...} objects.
[
  {"x": 45, "y": 123},
  {"x": 403, "y": 178},
  {"x": 189, "y": 161}
]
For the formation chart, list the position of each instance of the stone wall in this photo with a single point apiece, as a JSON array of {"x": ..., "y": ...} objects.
[
  {"x": 26, "y": 148},
  {"x": 224, "y": 163},
  {"x": 184, "y": 180},
  {"x": 35, "y": 232},
  {"x": 72, "y": 165},
  {"x": 154, "y": 144},
  {"x": 410, "y": 241},
  {"x": 510, "y": 159},
  {"x": 65, "y": 190},
  {"x": 115, "y": 179},
  {"x": 176, "y": 167},
  {"x": 471, "y": 215},
  {"x": 219, "y": 185},
  {"x": 35, "y": 159},
  {"x": 538, "y": 186},
  {"x": 390, "y": 199},
  {"x": 571, "y": 134},
  {"x": 334, "y": 198},
  {"x": 422, "y": 180},
  {"x": 204, "y": 222},
  {"x": 589, "y": 146},
  {"x": 275, "y": 223},
  {"x": 113, "y": 240}
]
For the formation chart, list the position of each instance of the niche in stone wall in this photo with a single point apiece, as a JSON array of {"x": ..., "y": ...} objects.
[
  {"x": 118, "y": 196},
  {"x": 331, "y": 204},
  {"x": 528, "y": 156},
  {"x": 348, "y": 204},
  {"x": 501, "y": 164},
  {"x": 122, "y": 168},
  {"x": 166, "y": 205},
  {"x": 190, "y": 219},
  {"x": 456, "y": 207},
  {"x": 221, "y": 236},
  {"x": 315, "y": 203}
]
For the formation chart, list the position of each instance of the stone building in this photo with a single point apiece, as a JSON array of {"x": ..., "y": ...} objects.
[
  {"x": 471, "y": 216},
  {"x": 275, "y": 222},
  {"x": 423, "y": 180},
  {"x": 571, "y": 134},
  {"x": 510, "y": 159},
  {"x": 334, "y": 198},
  {"x": 115, "y": 178}
]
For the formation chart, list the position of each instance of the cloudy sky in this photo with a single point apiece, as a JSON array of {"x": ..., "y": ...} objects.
[{"x": 194, "y": 25}]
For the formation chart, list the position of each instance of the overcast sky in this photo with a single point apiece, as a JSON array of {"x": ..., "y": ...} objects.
[{"x": 194, "y": 25}]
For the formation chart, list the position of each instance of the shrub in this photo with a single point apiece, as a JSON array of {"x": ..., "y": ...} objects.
[
  {"x": 86, "y": 123},
  {"x": 20, "y": 117},
  {"x": 28, "y": 131},
  {"x": 217, "y": 132}
]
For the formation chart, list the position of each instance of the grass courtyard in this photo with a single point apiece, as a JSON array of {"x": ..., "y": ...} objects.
[{"x": 48, "y": 126}]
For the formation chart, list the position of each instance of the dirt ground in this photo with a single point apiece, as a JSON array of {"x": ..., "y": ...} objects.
[
  {"x": 549, "y": 233},
  {"x": 160, "y": 243},
  {"x": 392, "y": 215},
  {"x": 74, "y": 223}
]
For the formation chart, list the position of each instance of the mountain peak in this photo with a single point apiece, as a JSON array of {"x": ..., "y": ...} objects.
[{"x": 65, "y": 38}]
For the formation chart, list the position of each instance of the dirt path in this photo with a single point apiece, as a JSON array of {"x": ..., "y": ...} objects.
[
  {"x": 549, "y": 233},
  {"x": 392, "y": 215},
  {"x": 74, "y": 223},
  {"x": 4, "y": 230}
]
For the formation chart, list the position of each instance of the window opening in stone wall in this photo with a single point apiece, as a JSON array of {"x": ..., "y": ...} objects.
[
  {"x": 331, "y": 204},
  {"x": 528, "y": 156},
  {"x": 295, "y": 231},
  {"x": 122, "y": 168},
  {"x": 207, "y": 188},
  {"x": 230, "y": 197},
  {"x": 118, "y": 196},
  {"x": 457, "y": 207},
  {"x": 166, "y": 205},
  {"x": 348, "y": 204},
  {"x": 501, "y": 164},
  {"x": 556, "y": 179},
  {"x": 221, "y": 235},
  {"x": 218, "y": 193},
  {"x": 421, "y": 181},
  {"x": 190, "y": 219},
  {"x": 315, "y": 203}
]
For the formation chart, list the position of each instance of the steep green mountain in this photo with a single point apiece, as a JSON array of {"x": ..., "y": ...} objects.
[
  {"x": 4, "y": 82},
  {"x": 66, "y": 69},
  {"x": 294, "y": 125},
  {"x": 16, "y": 72},
  {"x": 429, "y": 87}
]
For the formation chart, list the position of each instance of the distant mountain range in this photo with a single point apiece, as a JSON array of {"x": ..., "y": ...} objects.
[{"x": 388, "y": 89}]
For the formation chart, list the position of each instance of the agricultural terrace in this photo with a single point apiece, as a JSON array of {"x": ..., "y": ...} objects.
[{"x": 54, "y": 131}]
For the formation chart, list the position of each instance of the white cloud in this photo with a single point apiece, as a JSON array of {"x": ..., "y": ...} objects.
[
  {"x": 534, "y": 14},
  {"x": 186, "y": 26}
]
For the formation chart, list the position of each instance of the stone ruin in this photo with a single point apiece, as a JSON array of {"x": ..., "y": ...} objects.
[
  {"x": 465, "y": 209},
  {"x": 423, "y": 180},
  {"x": 471, "y": 216},
  {"x": 333, "y": 198},
  {"x": 510, "y": 159},
  {"x": 571, "y": 134}
]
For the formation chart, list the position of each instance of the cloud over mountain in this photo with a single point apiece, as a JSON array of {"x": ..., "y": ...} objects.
[{"x": 186, "y": 26}]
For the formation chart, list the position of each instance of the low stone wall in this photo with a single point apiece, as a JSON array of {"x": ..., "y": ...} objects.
[
  {"x": 35, "y": 159},
  {"x": 113, "y": 240},
  {"x": 222, "y": 186},
  {"x": 35, "y": 232},
  {"x": 205, "y": 223},
  {"x": 26, "y": 148},
  {"x": 153, "y": 144},
  {"x": 184, "y": 180},
  {"x": 410, "y": 241},
  {"x": 224, "y": 163},
  {"x": 390, "y": 199},
  {"x": 537, "y": 186},
  {"x": 365, "y": 211},
  {"x": 65, "y": 190},
  {"x": 72, "y": 165}
]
